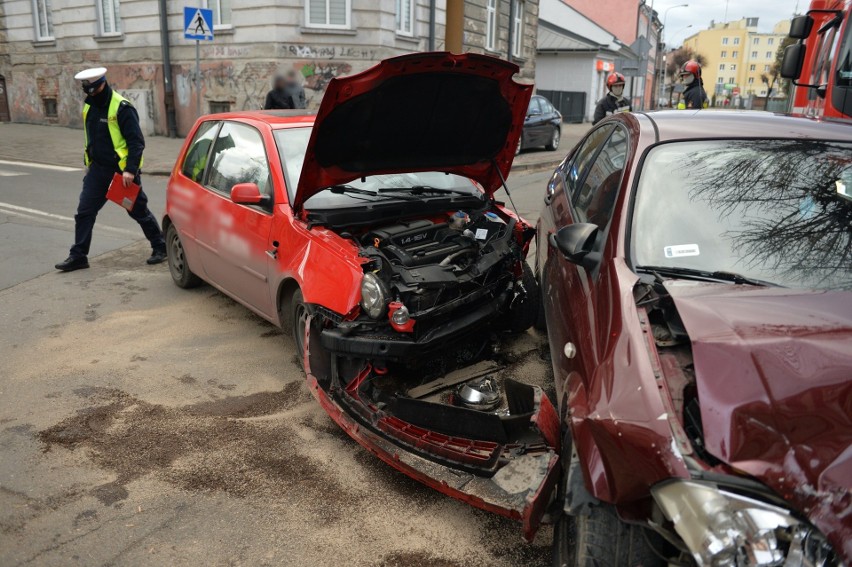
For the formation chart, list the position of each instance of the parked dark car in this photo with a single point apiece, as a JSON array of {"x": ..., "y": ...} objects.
[
  {"x": 696, "y": 276},
  {"x": 542, "y": 125}
]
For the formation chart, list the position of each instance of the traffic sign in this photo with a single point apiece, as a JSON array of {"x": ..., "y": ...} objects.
[{"x": 197, "y": 23}]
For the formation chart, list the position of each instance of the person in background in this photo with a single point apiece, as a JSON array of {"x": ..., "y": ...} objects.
[
  {"x": 113, "y": 144},
  {"x": 614, "y": 100},
  {"x": 295, "y": 90},
  {"x": 694, "y": 97},
  {"x": 278, "y": 97}
]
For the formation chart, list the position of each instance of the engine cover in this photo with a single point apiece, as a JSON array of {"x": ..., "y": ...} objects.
[{"x": 418, "y": 243}]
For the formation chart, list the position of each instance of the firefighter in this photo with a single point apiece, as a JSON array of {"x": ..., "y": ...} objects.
[
  {"x": 113, "y": 144},
  {"x": 694, "y": 96},
  {"x": 614, "y": 100}
]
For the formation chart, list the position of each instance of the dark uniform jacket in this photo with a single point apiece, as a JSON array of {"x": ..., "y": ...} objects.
[
  {"x": 694, "y": 95},
  {"x": 297, "y": 95},
  {"x": 100, "y": 149},
  {"x": 278, "y": 99},
  {"x": 610, "y": 104}
]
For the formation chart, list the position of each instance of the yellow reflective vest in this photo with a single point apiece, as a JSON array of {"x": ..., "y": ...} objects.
[{"x": 118, "y": 141}]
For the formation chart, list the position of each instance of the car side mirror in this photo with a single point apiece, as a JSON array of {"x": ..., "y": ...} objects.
[
  {"x": 793, "y": 61},
  {"x": 801, "y": 26},
  {"x": 576, "y": 242},
  {"x": 248, "y": 194}
]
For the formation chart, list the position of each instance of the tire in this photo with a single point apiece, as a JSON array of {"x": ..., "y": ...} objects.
[
  {"x": 523, "y": 313},
  {"x": 297, "y": 315},
  {"x": 554, "y": 140},
  {"x": 520, "y": 145},
  {"x": 178, "y": 266}
]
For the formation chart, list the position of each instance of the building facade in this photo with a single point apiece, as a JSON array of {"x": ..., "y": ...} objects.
[
  {"x": 43, "y": 43},
  {"x": 738, "y": 57}
]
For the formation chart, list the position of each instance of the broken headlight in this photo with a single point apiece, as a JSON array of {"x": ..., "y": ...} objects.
[
  {"x": 374, "y": 296},
  {"x": 725, "y": 529}
]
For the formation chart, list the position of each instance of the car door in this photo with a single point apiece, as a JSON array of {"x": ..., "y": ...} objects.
[
  {"x": 584, "y": 190},
  {"x": 534, "y": 124},
  {"x": 234, "y": 239}
]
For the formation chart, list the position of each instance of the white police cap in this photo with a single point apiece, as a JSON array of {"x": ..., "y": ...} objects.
[{"x": 91, "y": 75}]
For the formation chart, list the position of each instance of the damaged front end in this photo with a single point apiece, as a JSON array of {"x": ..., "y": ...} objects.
[
  {"x": 473, "y": 433},
  {"x": 722, "y": 515}
]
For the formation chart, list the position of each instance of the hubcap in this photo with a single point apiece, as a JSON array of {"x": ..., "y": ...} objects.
[
  {"x": 301, "y": 322},
  {"x": 556, "y": 138},
  {"x": 177, "y": 262}
]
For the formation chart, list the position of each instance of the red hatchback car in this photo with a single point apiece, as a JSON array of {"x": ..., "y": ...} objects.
[
  {"x": 371, "y": 233},
  {"x": 696, "y": 275}
]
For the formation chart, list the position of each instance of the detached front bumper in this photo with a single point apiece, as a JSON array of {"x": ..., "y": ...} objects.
[{"x": 398, "y": 346}]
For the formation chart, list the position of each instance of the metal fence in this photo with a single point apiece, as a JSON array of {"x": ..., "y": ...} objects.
[{"x": 572, "y": 105}]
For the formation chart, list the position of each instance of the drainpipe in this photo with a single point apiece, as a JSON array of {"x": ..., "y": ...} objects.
[
  {"x": 432, "y": 25},
  {"x": 169, "y": 98},
  {"x": 454, "y": 30},
  {"x": 511, "y": 30}
]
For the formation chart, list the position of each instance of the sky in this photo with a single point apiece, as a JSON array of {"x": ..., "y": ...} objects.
[{"x": 700, "y": 12}]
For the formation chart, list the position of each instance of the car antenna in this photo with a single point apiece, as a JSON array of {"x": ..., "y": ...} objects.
[{"x": 506, "y": 187}]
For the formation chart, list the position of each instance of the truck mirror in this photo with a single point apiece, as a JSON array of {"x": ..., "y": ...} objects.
[
  {"x": 794, "y": 59},
  {"x": 800, "y": 27}
]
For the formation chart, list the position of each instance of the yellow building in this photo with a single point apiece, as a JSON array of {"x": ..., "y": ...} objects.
[{"x": 737, "y": 56}]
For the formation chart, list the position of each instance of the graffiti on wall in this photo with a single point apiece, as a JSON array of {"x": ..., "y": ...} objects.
[
  {"x": 317, "y": 75},
  {"x": 245, "y": 88},
  {"x": 303, "y": 51}
]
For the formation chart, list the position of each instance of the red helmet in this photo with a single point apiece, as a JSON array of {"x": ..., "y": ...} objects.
[
  {"x": 614, "y": 79},
  {"x": 693, "y": 67}
]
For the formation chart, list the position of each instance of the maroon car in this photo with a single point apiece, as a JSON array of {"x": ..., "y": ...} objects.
[{"x": 695, "y": 271}]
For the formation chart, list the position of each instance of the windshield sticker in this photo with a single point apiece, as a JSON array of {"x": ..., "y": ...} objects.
[
  {"x": 681, "y": 250},
  {"x": 481, "y": 233}
]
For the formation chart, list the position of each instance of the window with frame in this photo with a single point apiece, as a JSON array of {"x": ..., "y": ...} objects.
[
  {"x": 720, "y": 80},
  {"x": 239, "y": 156},
  {"x": 221, "y": 13},
  {"x": 752, "y": 67},
  {"x": 49, "y": 107},
  {"x": 735, "y": 54},
  {"x": 770, "y": 41},
  {"x": 766, "y": 68},
  {"x": 754, "y": 54},
  {"x": 769, "y": 55},
  {"x": 43, "y": 15},
  {"x": 577, "y": 167},
  {"x": 328, "y": 13},
  {"x": 195, "y": 161},
  {"x": 736, "y": 41},
  {"x": 724, "y": 54},
  {"x": 732, "y": 80},
  {"x": 721, "y": 66},
  {"x": 724, "y": 41},
  {"x": 595, "y": 200},
  {"x": 756, "y": 41},
  {"x": 518, "y": 29},
  {"x": 108, "y": 18},
  {"x": 405, "y": 17},
  {"x": 733, "y": 66},
  {"x": 491, "y": 25},
  {"x": 751, "y": 80}
]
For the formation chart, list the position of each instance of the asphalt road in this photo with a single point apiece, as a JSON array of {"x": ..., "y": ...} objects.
[{"x": 142, "y": 424}]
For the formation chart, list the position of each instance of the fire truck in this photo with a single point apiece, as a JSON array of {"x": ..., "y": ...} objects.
[{"x": 820, "y": 63}]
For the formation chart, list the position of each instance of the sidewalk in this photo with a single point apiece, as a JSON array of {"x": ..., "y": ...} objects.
[{"x": 58, "y": 145}]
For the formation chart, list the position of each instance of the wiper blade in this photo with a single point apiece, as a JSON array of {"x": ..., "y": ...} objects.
[
  {"x": 421, "y": 189},
  {"x": 348, "y": 189},
  {"x": 719, "y": 275}
]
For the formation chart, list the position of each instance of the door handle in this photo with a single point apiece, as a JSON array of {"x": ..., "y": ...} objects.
[{"x": 274, "y": 252}]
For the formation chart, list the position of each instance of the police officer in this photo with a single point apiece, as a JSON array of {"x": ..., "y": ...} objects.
[
  {"x": 114, "y": 144},
  {"x": 614, "y": 100},
  {"x": 694, "y": 96}
]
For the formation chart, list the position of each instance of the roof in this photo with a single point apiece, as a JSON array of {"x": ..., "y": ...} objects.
[
  {"x": 272, "y": 117},
  {"x": 553, "y": 40},
  {"x": 708, "y": 124}
]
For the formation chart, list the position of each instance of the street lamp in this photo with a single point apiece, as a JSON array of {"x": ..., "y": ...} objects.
[{"x": 663, "y": 37}]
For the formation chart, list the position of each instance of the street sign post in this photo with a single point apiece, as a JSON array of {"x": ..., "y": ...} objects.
[{"x": 197, "y": 25}]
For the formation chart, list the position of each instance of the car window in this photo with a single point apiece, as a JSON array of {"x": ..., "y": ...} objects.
[
  {"x": 239, "y": 157},
  {"x": 578, "y": 167},
  {"x": 195, "y": 161},
  {"x": 546, "y": 107},
  {"x": 535, "y": 107},
  {"x": 595, "y": 199}
]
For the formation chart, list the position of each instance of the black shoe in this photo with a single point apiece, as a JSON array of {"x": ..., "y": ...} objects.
[
  {"x": 157, "y": 257},
  {"x": 72, "y": 263}
]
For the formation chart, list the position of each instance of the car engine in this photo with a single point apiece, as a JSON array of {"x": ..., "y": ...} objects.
[{"x": 427, "y": 264}]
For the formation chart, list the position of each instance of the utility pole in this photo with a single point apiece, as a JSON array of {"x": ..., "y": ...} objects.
[{"x": 454, "y": 30}]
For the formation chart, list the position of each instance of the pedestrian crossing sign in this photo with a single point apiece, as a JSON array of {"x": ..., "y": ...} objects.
[{"x": 197, "y": 23}]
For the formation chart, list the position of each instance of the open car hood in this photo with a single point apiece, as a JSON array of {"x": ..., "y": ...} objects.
[
  {"x": 421, "y": 112},
  {"x": 773, "y": 370}
]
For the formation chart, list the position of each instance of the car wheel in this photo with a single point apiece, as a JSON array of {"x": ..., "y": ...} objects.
[
  {"x": 178, "y": 266},
  {"x": 523, "y": 311},
  {"x": 520, "y": 145},
  {"x": 554, "y": 140},
  {"x": 298, "y": 317}
]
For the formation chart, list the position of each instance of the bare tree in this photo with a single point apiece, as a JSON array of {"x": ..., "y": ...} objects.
[{"x": 774, "y": 75}]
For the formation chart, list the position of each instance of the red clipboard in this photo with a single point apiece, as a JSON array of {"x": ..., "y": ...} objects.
[{"x": 124, "y": 196}]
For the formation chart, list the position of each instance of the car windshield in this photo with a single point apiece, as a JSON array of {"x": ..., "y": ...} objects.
[
  {"x": 778, "y": 211},
  {"x": 292, "y": 144}
]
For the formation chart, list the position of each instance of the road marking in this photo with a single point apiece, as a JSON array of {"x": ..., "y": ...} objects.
[
  {"x": 30, "y": 213},
  {"x": 7, "y": 173},
  {"x": 39, "y": 165}
]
